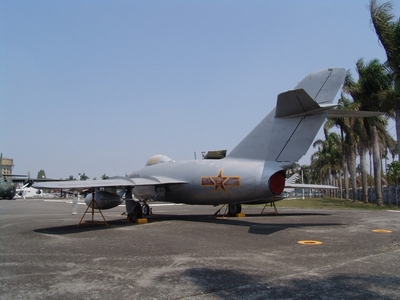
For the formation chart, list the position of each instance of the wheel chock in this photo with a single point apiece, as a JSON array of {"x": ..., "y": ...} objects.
[
  {"x": 240, "y": 215},
  {"x": 141, "y": 221}
]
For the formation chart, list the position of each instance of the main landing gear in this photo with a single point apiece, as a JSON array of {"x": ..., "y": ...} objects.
[
  {"x": 232, "y": 210},
  {"x": 146, "y": 209},
  {"x": 136, "y": 211}
]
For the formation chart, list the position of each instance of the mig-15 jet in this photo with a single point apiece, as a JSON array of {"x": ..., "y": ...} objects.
[{"x": 253, "y": 172}]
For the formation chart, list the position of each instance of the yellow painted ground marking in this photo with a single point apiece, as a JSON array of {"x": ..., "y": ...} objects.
[
  {"x": 309, "y": 242},
  {"x": 382, "y": 230}
]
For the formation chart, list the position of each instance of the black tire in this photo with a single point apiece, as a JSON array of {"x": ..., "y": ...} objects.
[{"x": 234, "y": 209}]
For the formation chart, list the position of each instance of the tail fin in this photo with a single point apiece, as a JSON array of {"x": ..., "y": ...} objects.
[{"x": 288, "y": 131}]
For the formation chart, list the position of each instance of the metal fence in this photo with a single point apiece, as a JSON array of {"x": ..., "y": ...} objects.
[{"x": 390, "y": 195}]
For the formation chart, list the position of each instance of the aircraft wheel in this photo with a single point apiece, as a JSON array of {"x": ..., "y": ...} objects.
[
  {"x": 234, "y": 209},
  {"x": 146, "y": 209}
]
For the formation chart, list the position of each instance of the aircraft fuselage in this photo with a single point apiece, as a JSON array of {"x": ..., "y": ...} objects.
[{"x": 210, "y": 181}]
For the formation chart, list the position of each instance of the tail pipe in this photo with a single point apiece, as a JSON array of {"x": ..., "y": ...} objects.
[{"x": 276, "y": 183}]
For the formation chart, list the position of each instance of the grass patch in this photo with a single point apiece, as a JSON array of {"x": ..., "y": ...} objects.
[{"x": 331, "y": 203}]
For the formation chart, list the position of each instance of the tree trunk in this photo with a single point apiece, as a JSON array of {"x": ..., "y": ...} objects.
[
  {"x": 353, "y": 172},
  {"x": 346, "y": 178},
  {"x": 397, "y": 110},
  {"x": 377, "y": 166},
  {"x": 364, "y": 170}
]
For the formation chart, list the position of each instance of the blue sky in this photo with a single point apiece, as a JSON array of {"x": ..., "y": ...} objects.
[{"x": 98, "y": 87}]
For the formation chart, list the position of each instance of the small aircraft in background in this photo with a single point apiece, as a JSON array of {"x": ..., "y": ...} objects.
[
  {"x": 8, "y": 185},
  {"x": 9, "y": 189},
  {"x": 253, "y": 172},
  {"x": 26, "y": 191}
]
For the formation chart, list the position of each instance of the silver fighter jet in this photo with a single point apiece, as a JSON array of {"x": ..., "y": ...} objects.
[{"x": 253, "y": 172}]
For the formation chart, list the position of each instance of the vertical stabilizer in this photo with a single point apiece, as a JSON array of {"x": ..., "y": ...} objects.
[{"x": 287, "y": 132}]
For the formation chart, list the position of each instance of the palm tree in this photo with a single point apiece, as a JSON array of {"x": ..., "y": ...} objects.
[
  {"x": 294, "y": 169},
  {"x": 346, "y": 135},
  {"x": 352, "y": 168},
  {"x": 372, "y": 90},
  {"x": 305, "y": 170},
  {"x": 328, "y": 158},
  {"x": 361, "y": 130},
  {"x": 387, "y": 28},
  {"x": 83, "y": 177}
]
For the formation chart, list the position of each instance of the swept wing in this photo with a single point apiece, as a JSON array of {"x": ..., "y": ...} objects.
[{"x": 111, "y": 182}]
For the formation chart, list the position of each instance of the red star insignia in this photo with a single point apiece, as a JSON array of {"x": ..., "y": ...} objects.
[{"x": 220, "y": 181}]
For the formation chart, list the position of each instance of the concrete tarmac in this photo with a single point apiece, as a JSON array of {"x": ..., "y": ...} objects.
[{"x": 185, "y": 252}]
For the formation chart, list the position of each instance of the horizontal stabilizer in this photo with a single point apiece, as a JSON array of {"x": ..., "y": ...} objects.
[
  {"x": 342, "y": 113},
  {"x": 297, "y": 103},
  {"x": 310, "y": 186}
]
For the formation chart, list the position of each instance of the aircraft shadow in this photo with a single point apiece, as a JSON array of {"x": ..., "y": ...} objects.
[
  {"x": 254, "y": 226},
  {"x": 233, "y": 284},
  {"x": 291, "y": 214},
  {"x": 249, "y": 221},
  {"x": 86, "y": 226}
]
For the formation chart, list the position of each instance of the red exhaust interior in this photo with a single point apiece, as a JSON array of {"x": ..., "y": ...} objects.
[{"x": 276, "y": 183}]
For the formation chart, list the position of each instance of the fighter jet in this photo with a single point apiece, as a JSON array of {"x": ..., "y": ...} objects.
[{"x": 253, "y": 172}]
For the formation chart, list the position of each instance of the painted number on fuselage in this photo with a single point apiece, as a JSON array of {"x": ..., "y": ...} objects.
[{"x": 220, "y": 181}]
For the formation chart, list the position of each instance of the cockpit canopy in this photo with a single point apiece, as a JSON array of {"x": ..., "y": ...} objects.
[{"x": 157, "y": 159}]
